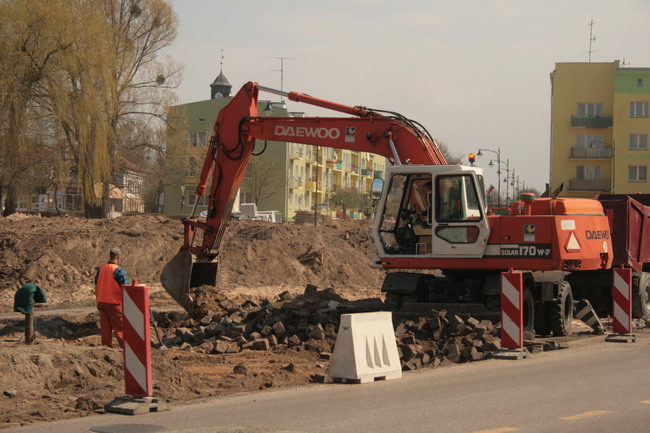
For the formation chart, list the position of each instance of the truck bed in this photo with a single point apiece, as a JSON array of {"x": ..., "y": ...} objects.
[{"x": 629, "y": 220}]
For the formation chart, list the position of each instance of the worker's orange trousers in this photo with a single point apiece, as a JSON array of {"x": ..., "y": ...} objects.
[{"x": 110, "y": 319}]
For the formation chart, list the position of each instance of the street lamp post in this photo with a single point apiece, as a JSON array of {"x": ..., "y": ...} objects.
[
  {"x": 498, "y": 153},
  {"x": 507, "y": 169}
]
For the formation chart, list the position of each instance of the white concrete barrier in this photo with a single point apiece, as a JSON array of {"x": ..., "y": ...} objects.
[{"x": 365, "y": 349}]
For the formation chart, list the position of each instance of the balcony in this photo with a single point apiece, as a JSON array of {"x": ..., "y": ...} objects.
[
  {"x": 591, "y": 152},
  {"x": 601, "y": 185},
  {"x": 591, "y": 122},
  {"x": 366, "y": 172},
  {"x": 295, "y": 183},
  {"x": 310, "y": 185}
]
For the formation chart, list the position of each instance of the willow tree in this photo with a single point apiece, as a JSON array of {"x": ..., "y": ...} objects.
[
  {"x": 33, "y": 34},
  {"x": 111, "y": 74}
]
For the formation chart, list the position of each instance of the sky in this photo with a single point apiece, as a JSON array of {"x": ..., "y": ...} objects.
[{"x": 475, "y": 73}]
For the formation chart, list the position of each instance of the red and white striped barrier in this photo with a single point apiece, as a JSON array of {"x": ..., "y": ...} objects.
[
  {"x": 512, "y": 311},
  {"x": 137, "y": 341},
  {"x": 622, "y": 300}
]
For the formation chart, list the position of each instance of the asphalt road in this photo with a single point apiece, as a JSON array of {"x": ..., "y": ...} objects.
[{"x": 592, "y": 386}]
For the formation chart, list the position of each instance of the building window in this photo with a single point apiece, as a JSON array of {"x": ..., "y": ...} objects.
[
  {"x": 193, "y": 168},
  {"x": 198, "y": 139},
  {"x": 588, "y": 172},
  {"x": 639, "y": 81},
  {"x": 203, "y": 200},
  {"x": 638, "y": 109},
  {"x": 637, "y": 173},
  {"x": 587, "y": 140},
  {"x": 589, "y": 109},
  {"x": 638, "y": 141}
]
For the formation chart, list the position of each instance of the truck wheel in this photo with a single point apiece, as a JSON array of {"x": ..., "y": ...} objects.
[
  {"x": 561, "y": 310},
  {"x": 641, "y": 297},
  {"x": 529, "y": 310},
  {"x": 542, "y": 319}
]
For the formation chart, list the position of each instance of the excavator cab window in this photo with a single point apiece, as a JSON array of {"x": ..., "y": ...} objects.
[
  {"x": 457, "y": 199},
  {"x": 457, "y": 202},
  {"x": 407, "y": 214}
]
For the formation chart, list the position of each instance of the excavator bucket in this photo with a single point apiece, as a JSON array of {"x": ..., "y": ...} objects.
[{"x": 183, "y": 273}]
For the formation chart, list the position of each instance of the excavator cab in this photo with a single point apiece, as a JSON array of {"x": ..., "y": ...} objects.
[{"x": 433, "y": 211}]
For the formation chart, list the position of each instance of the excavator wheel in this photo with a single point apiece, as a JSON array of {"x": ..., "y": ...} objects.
[
  {"x": 529, "y": 309},
  {"x": 561, "y": 310},
  {"x": 641, "y": 297}
]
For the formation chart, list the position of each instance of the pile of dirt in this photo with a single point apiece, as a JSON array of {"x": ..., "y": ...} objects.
[{"x": 61, "y": 255}]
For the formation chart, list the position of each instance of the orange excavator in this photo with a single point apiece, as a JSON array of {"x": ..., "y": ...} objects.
[{"x": 429, "y": 215}]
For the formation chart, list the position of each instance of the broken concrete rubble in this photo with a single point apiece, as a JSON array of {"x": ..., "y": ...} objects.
[{"x": 310, "y": 322}]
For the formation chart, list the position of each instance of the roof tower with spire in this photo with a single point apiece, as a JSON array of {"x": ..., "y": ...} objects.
[{"x": 220, "y": 87}]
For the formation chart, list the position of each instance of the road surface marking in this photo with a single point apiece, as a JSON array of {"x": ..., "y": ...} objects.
[
  {"x": 498, "y": 430},
  {"x": 585, "y": 415},
  {"x": 646, "y": 402}
]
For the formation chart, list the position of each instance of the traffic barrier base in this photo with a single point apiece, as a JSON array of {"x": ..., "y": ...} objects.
[
  {"x": 365, "y": 349},
  {"x": 620, "y": 338},
  {"x": 512, "y": 354},
  {"x": 128, "y": 405}
]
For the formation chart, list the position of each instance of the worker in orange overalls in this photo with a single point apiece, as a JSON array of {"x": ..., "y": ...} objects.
[{"x": 108, "y": 291}]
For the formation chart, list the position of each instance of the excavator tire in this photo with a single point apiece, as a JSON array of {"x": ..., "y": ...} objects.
[
  {"x": 529, "y": 309},
  {"x": 641, "y": 297},
  {"x": 561, "y": 310}
]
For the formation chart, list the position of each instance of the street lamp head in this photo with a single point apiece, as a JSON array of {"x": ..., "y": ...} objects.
[
  {"x": 491, "y": 162},
  {"x": 480, "y": 154}
]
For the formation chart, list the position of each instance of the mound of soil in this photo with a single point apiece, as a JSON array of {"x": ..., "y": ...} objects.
[{"x": 61, "y": 255}]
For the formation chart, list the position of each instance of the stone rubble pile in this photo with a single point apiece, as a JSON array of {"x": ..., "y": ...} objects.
[{"x": 310, "y": 322}]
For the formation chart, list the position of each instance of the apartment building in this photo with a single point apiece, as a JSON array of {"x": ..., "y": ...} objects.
[{"x": 599, "y": 129}]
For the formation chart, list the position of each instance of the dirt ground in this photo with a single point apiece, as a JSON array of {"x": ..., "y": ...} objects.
[{"x": 66, "y": 373}]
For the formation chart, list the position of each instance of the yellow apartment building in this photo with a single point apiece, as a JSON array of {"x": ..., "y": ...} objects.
[{"x": 599, "y": 129}]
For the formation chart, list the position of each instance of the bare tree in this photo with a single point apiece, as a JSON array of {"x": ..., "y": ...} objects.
[
  {"x": 348, "y": 198},
  {"x": 263, "y": 178},
  {"x": 165, "y": 165},
  {"x": 452, "y": 158}
]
